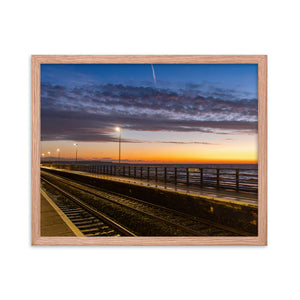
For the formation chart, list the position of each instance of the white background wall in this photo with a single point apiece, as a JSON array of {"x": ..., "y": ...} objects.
[{"x": 152, "y": 27}]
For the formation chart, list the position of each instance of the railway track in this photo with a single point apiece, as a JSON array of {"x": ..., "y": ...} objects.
[
  {"x": 89, "y": 221},
  {"x": 181, "y": 223}
]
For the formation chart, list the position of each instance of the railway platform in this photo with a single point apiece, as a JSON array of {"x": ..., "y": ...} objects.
[
  {"x": 53, "y": 221},
  {"x": 227, "y": 195},
  {"x": 191, "y": 190}
]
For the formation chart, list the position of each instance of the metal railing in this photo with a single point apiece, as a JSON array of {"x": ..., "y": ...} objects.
[{"x": 220, "y": 178}]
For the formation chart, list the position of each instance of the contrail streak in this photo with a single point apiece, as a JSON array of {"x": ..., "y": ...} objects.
[{"x": 153, "y": 72}]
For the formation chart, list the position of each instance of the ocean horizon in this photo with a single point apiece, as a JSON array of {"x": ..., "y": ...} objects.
[{"x": 179, "y": 165}]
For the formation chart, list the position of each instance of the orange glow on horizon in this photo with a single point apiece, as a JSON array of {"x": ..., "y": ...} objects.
[{"x": 242, "y": 153}]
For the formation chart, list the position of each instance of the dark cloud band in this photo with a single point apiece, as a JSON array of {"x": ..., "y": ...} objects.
[{"x": 89, "y": 112}]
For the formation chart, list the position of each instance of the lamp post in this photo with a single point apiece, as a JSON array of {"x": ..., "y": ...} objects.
[
  {"x": 49, "y": 155},
  {"x": 76, "y": 145},
  {"x": 43, "y": 156},
  {"x": 58, "y": 153},
  {"x": 118, "y": 129}
]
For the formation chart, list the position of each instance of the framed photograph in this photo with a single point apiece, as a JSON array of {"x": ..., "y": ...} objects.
[{"x": 149, "y": 150}]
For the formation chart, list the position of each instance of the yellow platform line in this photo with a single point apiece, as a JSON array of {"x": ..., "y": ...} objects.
[{"x": 68, "y": 222}]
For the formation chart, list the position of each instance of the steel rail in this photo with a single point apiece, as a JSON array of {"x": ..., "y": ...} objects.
[
  {"x": 96, "y": 213},
  {"x": 191, "y": 231}
]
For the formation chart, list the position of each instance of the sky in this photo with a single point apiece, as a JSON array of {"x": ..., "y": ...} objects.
[{"x": 168, "y": 113}]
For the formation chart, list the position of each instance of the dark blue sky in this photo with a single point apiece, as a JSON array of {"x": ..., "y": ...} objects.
[{"x": 229, "y": 76}]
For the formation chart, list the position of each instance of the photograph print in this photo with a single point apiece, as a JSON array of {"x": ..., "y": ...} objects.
[{"x": 149, "y": 150}]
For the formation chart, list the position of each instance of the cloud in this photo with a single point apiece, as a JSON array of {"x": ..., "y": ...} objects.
[{"x": 89, "y": 112}]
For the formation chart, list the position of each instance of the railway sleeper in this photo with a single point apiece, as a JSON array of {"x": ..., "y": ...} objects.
[
  {"x": 90, "y": 230},
  {"x": 83, "y": 222},
  {"x": 89, "y": 226}
]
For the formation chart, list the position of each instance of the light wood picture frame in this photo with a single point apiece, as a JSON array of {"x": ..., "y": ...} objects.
[{"x": 260, "y": 60}]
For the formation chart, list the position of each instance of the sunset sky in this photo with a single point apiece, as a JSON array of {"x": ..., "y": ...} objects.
[{"x": 168, "y": 113}]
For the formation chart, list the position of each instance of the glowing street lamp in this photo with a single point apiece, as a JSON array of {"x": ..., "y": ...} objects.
[
  {"x": 49, "y": 155},
  {"x": 58, "y": 153},
  {"x": 118, "y": 129},
  {"x": 76, "y": 145},
  {"x": 43, "y": 156}
]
